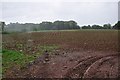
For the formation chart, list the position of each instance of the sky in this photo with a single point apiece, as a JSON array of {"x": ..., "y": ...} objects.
[{"x": 84, "y": 12}]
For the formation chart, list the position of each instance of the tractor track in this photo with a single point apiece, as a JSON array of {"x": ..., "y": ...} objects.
[
  {"x": 61, "y": 66},
  {"x": 87, "y": 68}
]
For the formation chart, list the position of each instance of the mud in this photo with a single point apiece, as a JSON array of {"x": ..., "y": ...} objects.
[{"x": 67, "y": 64}]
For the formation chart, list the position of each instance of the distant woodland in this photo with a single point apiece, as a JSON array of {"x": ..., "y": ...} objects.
[{"x": 57, "y": 25}]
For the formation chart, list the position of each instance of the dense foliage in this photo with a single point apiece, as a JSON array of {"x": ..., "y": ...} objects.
[
  {"x": 117, "y": 25},
  {"x": 105, "y": 26},
  {"x": 57, "y": 25}
]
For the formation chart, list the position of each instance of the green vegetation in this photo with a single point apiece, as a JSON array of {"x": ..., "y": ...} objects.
[
  {"x": 105, "y": 26},
  {"x": 117, "y": 25},
  {"x": 12, "y": 58},
  {"x": 66, "y": 40},
  {"x": 45, "y": 25},
  {"x": 56, "y": 25},
  {"x": 5, "y": 32}
]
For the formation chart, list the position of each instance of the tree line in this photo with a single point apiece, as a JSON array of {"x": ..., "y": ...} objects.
[
  {"x": 105, "y": 26},
  {"x": 57, "y": 25}
]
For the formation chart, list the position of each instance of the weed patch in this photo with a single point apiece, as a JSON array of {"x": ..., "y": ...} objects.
[{"x": 11, "y": 58}]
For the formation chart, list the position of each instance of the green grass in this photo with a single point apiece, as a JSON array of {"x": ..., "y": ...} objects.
[{"x": 11, "y": 58}]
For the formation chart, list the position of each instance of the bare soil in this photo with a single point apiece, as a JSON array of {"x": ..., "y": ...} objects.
[
  {"x": 66, "y": 64},
  {"x": 82, "y": 54}
]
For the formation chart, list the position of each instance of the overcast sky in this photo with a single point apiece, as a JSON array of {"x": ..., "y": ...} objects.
[{"x": 84, "y": 12}]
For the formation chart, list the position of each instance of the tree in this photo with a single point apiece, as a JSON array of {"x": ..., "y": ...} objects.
[
  {"x": 45, "y": 25},
  {"x": 97, "y": 27},
  {"x": 107, "y": 26},
  {"x": 24, "y": 30},
  {"x": 86, "y": 27},
  {"x": 73, "y": 25},
  {"x": 57, "y": 25},
  {"x": 117, "y": 25},
  {"x": 34, "y": 29},
  {"x": 61, "y": 25}
]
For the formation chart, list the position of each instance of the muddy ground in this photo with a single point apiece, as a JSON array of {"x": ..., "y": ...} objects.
[
  {"x": 67, "y": 64},
  {"x": 82, "y": 54}
]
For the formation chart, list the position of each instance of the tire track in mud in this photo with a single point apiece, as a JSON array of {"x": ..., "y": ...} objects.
[
  {"x": 88, "y": 67},
  {"x": 93, "y": 69}
]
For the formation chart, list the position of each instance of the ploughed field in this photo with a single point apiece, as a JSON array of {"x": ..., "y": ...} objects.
[{"x": 61, "y": 54}]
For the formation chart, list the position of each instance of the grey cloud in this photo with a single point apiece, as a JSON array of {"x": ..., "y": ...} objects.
[{"x": 82, "y": 12}]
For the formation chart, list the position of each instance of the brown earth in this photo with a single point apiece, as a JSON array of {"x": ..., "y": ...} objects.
[
  {"x": 61, "y": 64},
  {"x": 82, "y": 54}
]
